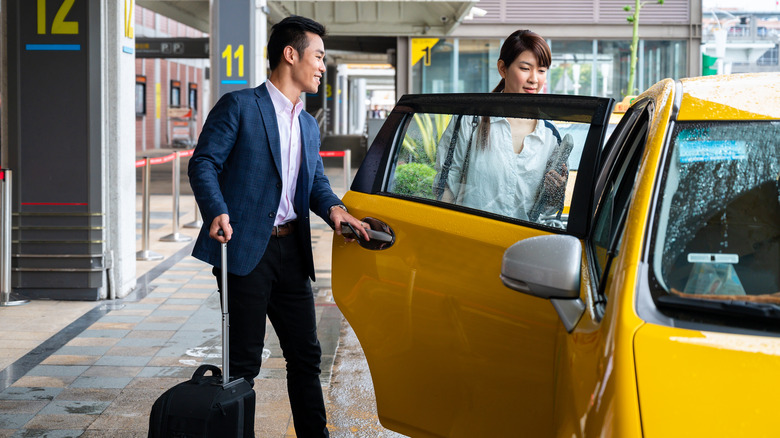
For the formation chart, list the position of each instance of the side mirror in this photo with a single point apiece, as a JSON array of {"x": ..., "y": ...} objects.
[{"x": 547, "y": 267}]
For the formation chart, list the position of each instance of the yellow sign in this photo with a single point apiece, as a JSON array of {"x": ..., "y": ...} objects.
[
  {"x": 58, "y": 25},
  {"x": 421, "y": 49},
  {"x": 157, "y": 100},
  {"x": 129, "y": 6}
]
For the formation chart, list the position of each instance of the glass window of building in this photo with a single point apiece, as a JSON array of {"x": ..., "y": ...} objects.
[{"x": 582, "y": 67}]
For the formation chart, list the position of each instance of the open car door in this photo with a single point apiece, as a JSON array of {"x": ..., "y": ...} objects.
[{"x": 451, "y": 350}]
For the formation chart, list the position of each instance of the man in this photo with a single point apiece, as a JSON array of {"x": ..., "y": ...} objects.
[{"x": 256, "y": 172}]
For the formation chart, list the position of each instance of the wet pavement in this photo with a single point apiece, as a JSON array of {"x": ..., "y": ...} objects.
[{"x": 85, "y": 369}]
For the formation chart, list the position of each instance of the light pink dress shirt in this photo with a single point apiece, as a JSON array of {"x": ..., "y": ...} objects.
[{"x": 290, "y": 142}]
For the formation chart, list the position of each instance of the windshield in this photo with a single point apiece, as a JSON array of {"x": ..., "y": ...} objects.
[{"x": 718, "y": 231}]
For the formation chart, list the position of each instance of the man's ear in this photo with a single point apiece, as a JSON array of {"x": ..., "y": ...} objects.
[
  {"x": 289, "y": 53},
  {"x": 501, "y": 68}
]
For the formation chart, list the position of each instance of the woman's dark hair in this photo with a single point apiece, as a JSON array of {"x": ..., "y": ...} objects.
[
  {"x": 515, "y": 44},
  {"x": 291, "y": 32},
  {"x": 520, "y": 41}
]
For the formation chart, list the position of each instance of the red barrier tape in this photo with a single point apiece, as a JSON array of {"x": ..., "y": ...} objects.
[
  {"x": 165, "y": 159},
  {"x": 188, "y": 153}
]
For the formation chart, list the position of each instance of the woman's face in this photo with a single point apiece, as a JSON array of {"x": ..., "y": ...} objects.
[{"x": 523, "y": 75}]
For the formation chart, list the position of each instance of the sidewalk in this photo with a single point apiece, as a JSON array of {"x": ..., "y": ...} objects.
[{"x": 70, "y": 369}]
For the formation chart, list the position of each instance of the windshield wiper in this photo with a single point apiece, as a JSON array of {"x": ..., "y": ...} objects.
[{"x": 722, "y": 307}]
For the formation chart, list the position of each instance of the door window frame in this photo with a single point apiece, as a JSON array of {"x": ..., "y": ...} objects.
[
  {"x": 619, "y": 163},
  {"x": 376, "y": 171}
]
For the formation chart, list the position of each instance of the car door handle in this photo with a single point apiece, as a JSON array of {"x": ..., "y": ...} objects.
[{"x": 381, "y": 236}]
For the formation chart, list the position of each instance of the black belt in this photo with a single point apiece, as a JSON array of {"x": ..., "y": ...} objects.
[{"x": 284, "y": 230}]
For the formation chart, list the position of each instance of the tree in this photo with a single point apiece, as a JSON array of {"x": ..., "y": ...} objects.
[{"x": 634, "y": 19}]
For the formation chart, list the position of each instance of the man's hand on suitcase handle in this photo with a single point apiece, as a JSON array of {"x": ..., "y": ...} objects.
[{"x": 221, "y": 223}]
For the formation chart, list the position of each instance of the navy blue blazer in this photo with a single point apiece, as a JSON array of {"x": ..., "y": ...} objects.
[{"x": 236, "y": 169}]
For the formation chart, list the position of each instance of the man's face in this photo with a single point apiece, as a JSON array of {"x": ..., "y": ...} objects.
[{"x": 310, "y": 65}]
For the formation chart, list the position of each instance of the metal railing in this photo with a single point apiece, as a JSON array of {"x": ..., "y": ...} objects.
[
  {"x": 5, "y": 241},
  {"x": 146, "y": 254}
]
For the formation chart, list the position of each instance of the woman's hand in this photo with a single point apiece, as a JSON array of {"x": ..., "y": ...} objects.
[{"x": 555, "y": 185}]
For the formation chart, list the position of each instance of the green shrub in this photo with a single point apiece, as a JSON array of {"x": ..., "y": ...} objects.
[{"x": 414, "y": 179}]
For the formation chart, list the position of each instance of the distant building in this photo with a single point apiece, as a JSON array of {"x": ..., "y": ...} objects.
[
  {"x": 590, "y": 42},
  {"x": 741, "y": 41}
]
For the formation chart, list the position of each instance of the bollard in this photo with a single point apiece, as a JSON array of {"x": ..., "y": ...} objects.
[
  {"x": 145, "y": 254},
  {"x": 347, "y": 169},
  {"x": 176, "y": 236},
  {"x": 198, "y": 222},
  {"x": 5, "y": 244}
]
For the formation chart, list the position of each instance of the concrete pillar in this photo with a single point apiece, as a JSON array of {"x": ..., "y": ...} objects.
[
  {"x": 359, "y": 100},
  {"x": 261, "y": 35},
  {"x": 119, "y": 146}
]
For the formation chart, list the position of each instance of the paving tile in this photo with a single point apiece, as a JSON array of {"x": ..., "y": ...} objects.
[
  {"x": 158, "y": 326},
  {"x": 89, "y": 394},
  {"x": 44, "y": 381},
  {"x": 14, "y": 421},
  {"x": 162, "y": 294},
  {"x": 166, "y": 288},
  {"x": 119, "y": 426},
  {"x": 132, "y": 351},
  {"x": 114, "y": 318},
  {"x": 21, "y": 406},
  {"x": 110, "y": 371},
  {"x": 166, "y": 312},
  {"x": 59, "y": 422},
  {"x": 46, "y": 433},
  {"x": 190, "y": 294},
  {"x": 151, "y": 334},
  {"x": 86, "y": 350},
  {"x": 174, "y": 361},
  {"x": 207, "y": 286},
  {"x": 152, "y": 301},
  {"x": 128, "y": 361},
  {"x": 27, "y": 344},
  {"x": 100, "y": 382},
  {"x": 175, "y": 274},
  {"x": 203, "y": 279},
  {"x": 67, "y": 407},
  {"x": 134, "y": 402},
  {"x": 69, "y": 359},
  {"x": 29, "y": 393},
  {"x": 272, "y": 373},
  {"x": 58, "y": 370},
  {"x": 141, "y": 306},
  {"x": 93, "y": 333},
  {"x": 174, "y": 371},
  {"x": 131, "y": 312},
  {"x": 156, "y": 319},
  {"x": 169, "y": 306},
  {"x": 141, "y": 342},
  {"x": 185, "y": 301},
  {"x": 100, "y": 325},
  {"x": 91, "y": 342},
  {"x": 159, "y": 383}
]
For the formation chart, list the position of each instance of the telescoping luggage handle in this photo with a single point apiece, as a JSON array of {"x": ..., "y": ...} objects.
[{"x": 225, "y": 316}]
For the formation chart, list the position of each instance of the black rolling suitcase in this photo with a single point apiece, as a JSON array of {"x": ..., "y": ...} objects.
[{"x": 207, "y": 406}]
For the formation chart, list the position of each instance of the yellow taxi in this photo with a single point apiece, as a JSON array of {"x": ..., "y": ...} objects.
[{"x": 650, "y": 309}]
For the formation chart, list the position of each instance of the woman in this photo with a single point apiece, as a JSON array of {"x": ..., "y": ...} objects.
[{"x": 501, "y": 165}]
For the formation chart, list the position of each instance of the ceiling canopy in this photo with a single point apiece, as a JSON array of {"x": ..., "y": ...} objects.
[{"x": 340, "y": 17}]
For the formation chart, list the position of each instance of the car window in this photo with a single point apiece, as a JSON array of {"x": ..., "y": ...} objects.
[
  {"x": 515, "y": 168},
  {"x": 618, "y": 178},
  {"x": 718, "y": 232}
]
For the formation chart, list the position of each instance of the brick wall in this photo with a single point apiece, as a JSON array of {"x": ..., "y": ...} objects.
[{"x": 155, "y": 25}]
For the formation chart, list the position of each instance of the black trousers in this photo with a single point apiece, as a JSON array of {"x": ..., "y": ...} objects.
[{"x": 279, "y": 288}]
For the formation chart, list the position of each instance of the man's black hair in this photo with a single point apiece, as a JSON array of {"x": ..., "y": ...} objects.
[{"x": 291, "y": 32}]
